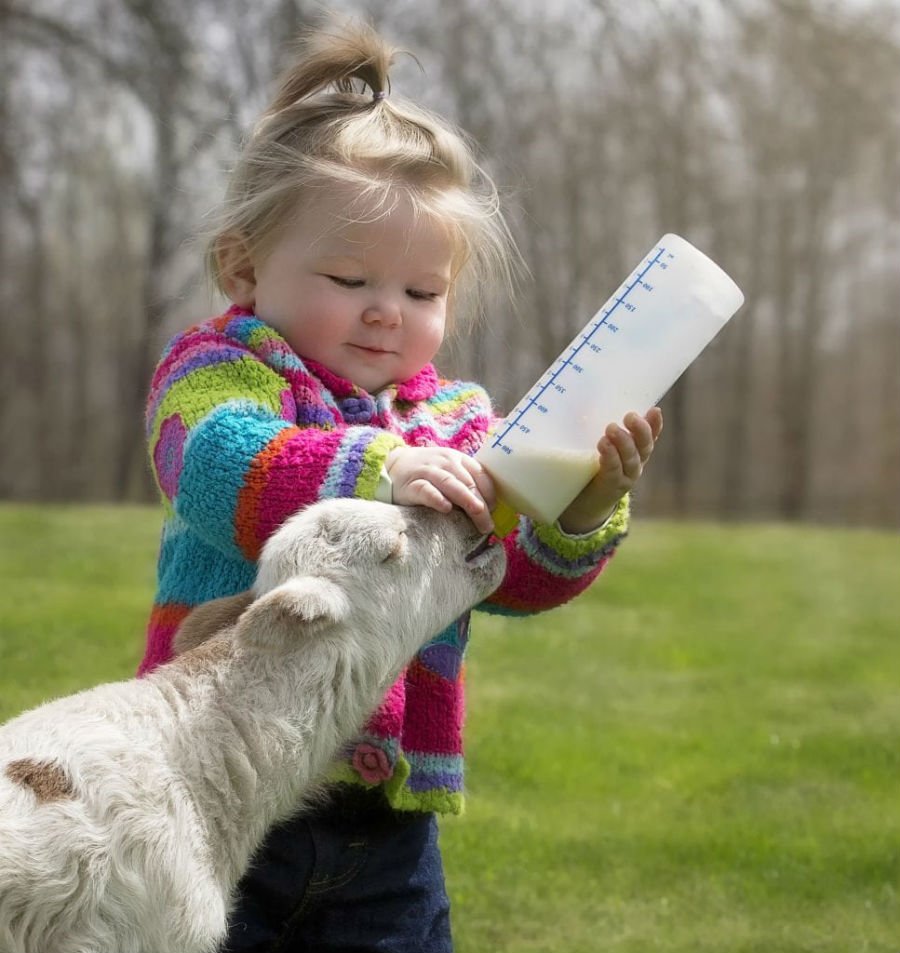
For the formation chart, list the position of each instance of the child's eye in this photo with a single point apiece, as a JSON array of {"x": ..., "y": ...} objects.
[
  {"x": 422, "y": 295},
  {"x": 346, "y": 282}
]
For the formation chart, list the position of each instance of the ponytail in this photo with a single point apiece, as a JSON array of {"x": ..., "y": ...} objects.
[{"x": 334, "y": 59}]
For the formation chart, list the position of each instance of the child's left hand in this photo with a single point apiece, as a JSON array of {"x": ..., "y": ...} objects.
[{"x": 623, "y": 453}]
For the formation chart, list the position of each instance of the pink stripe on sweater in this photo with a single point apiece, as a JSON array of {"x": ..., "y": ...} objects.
[
  {"x": 440, "y": 708},
  {"x": 387, "y": 722},
  {"x": 528, "y": 588},
  {"x": 283, "y": 478}
]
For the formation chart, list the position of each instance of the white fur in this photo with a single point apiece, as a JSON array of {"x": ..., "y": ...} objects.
[{"x": 176, "y": 777}]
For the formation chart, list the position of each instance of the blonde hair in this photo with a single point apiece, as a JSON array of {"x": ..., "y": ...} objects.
[{"x": 324, "y": 130}]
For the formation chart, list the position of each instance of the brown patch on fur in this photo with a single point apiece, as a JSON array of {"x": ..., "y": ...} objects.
[
  {"x": 47, "y": 779},
  {"x": 203, "y": 657},
  {"x": 207, "y": 619}
]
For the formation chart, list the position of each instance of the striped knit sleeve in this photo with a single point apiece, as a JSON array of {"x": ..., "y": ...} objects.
[
  {"x": 547, "y": 568},
  {"x": 226, "y": 451}
]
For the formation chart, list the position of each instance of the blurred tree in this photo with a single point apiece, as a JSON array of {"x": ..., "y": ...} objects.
[{"x": 766, "y": 131}]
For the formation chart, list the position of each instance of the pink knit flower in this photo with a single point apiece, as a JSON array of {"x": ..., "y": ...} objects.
[{"x": 371, "y": 764}]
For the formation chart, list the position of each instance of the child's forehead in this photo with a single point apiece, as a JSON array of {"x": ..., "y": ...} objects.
[{"x": 345, "y": 229}]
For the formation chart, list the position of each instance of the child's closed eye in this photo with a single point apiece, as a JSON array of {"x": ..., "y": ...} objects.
[
  {"x": 420, "y": 295},
  {"x": 346, "y": 282}
]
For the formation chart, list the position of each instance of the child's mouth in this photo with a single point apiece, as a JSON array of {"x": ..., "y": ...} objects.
[{"x": 371, "y": 350}]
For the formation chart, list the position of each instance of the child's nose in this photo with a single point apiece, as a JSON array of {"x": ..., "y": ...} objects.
[{"x": 384, "y": 311}]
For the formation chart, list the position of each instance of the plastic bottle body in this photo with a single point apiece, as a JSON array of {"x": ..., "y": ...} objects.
[{"x": 626, "y": 358}]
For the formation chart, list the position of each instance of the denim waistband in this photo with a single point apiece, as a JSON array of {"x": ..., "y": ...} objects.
[{"x": 353, "y": 803}]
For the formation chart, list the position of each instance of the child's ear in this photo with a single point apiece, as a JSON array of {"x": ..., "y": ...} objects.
[
  {"x": 236, "y": 270},
  {"x": 280, "y": 619}
]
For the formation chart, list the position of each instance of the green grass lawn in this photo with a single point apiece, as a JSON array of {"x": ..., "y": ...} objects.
[{"x": 701, "y": 754}]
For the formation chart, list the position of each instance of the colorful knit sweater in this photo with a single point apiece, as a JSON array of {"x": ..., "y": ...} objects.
[{"x": 242, "y": 433}]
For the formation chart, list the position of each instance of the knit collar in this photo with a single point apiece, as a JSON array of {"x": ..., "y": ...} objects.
[{"x": 420, "y": 386}]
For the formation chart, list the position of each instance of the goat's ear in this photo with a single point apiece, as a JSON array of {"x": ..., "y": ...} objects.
[
  {"x": 282, "y": 617},
  {"x": 207, "y": 619}
]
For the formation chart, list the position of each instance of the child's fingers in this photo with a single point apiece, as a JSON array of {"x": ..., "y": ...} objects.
[
  {"x": 654, "y": 417},
  {"x": 441, "y": 478},
  {"x": 610, "y": 461},
  {"x": 627, "y": 450},
  {"x": 642, "y": 433},
  {"x": 472, "y": 490},
  {"x": 423, "y": 493},
  {"x": 483, "y": 484},
  {"x": 462, "y": 491}
]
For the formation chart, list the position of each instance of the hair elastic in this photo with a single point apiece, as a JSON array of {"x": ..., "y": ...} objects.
[{"x": 377, "y": 97}]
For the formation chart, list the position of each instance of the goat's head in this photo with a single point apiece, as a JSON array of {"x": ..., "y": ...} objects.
[{"x": 389, "y": 574}]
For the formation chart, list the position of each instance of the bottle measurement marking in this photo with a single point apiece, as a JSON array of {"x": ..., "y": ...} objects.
[{"x": 565, "y": 363}]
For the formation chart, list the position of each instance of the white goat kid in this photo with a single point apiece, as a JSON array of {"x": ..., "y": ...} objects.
[{"x": 129, "y": 812}]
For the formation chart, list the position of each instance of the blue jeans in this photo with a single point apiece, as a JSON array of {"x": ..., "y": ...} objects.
[{"x": 351, "y": 875}]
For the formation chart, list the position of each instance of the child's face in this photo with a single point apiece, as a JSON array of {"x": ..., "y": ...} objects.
[{"x": 369, "y": 301}]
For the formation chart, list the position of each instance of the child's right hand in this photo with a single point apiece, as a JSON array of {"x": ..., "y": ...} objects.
[{"x": 442, "y": 478}]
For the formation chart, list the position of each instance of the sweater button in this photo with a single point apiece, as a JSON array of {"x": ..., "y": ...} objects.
[{"x": 357, "y": 410}]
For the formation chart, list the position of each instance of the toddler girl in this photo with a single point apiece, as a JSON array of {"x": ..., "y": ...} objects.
[{"x": 354, "y": 224}]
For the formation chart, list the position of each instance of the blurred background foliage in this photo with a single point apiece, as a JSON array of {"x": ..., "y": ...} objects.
[{"x": 764, "y": 131}]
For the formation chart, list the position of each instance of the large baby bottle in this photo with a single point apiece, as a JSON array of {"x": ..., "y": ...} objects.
[{"x": 626, "y": 358}]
